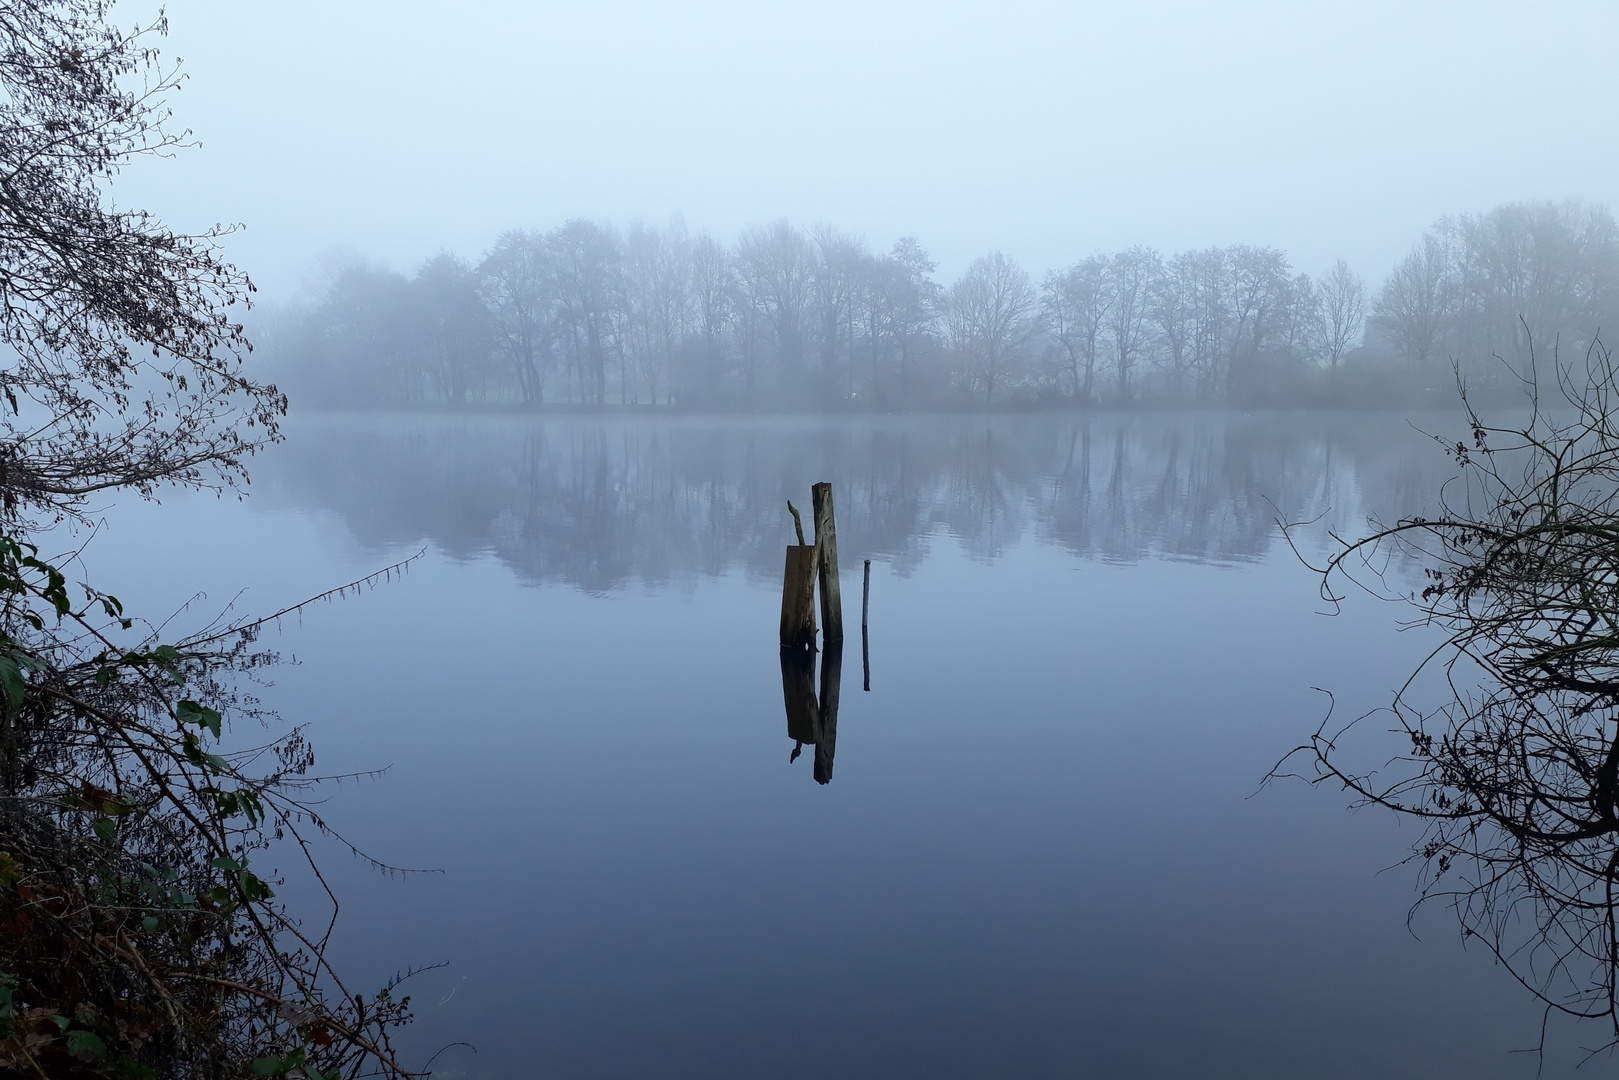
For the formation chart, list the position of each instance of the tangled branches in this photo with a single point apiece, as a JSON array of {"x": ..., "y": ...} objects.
[
  {"x": 136, "y": 938},
  {"x": 1516, "y": 774},
  {"x": 121, "y": 359}
]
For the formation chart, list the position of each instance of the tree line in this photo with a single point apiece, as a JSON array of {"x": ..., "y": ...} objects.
[{"x": 818, "y": 319}]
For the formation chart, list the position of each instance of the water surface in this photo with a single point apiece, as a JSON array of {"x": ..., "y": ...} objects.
[{"x": 1046, "y": 850}]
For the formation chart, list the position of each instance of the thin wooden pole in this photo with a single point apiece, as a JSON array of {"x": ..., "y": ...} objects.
[
  {"x": 826, "y": 544},
  {"x": 865, "y": 637}
]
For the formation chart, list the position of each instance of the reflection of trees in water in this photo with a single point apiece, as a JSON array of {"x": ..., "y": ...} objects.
[{"x": 603, "y": 502}]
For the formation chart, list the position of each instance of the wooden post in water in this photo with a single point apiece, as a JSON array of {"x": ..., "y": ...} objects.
[
  {"x": 826, "y": 542},
  {"x": 865, "y": 639},
  {"x": 798, "y": 598}
]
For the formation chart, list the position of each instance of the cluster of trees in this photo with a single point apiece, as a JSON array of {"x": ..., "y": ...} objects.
[{"x": 787, "y": 318}]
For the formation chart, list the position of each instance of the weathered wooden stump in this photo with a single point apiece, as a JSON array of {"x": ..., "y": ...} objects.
[
  {"x": 798, "y": 598},
  {"x": 826, "y": 541}
]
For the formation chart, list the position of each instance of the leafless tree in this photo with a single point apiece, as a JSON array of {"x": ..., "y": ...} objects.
[
  {"x": 991, "y": 318},
  {"x": 1074, "y": 304},
  {"x": 124, "y": 356},
  {"x": 1415, "y": 305},
  {"x": 1509, "y": 755},
  {"x": 775, "y": 269},
  {"x": 1343, "y": 311},
  {"x": 1130, "y": 275}
]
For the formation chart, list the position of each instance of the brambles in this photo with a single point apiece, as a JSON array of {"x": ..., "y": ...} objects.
[
  {"x": 136, "y": 937},
  {"x": 1516, "y": 775}
]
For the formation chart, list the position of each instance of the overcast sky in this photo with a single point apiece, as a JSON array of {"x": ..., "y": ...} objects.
[{"x": 396, "y": 129}]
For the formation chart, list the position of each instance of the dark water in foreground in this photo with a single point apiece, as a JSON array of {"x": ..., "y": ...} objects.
[{"x": 1046, "y": 850}]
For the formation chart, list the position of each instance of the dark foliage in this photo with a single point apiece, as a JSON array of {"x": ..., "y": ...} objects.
[{"x": 123, "y": 363}]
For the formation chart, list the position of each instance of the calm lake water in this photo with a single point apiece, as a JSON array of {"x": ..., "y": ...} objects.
[{"x": 1047, "y": 849}]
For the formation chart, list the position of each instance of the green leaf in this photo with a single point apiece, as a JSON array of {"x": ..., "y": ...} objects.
[
  {"x": 223, "y": 863},
  {"x": 12, "y": 685},
  {"x": 150, "y": 923},
  {"x": 190, "y": 712},
  {"x": 86, "y": 1043},
  {"x": 280, "y": 1066},
  {"x": 105, "y": 828}
]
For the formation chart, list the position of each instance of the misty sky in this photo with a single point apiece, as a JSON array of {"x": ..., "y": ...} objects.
[{"x": 1048, "y": 130}]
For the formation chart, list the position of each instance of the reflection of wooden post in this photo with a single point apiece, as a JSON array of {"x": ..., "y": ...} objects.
[
  {"x": 798, "y": 598},
  {"x": 865, "y": 639},
  {"x": 826, "y": 541},
  {"x": 798, "y": 692},
  {"x": 826, "y": 743}
]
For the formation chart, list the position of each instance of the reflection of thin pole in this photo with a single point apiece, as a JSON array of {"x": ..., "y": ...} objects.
[{"x": 865, "y": 638}]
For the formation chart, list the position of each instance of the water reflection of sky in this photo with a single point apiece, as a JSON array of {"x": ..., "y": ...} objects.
[{"x": 1044, "y": 853}]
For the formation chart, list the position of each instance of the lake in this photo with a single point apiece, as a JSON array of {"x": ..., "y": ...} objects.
[{"x": 1047, "y": 848}]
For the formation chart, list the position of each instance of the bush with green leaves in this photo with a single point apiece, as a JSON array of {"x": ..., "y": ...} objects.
[{"x": 137, "y": 935}]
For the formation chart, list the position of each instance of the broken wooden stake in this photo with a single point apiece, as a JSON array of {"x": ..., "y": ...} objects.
[
  {"x": 798, "y": 598},
  {"x": 826, "y": 542}
]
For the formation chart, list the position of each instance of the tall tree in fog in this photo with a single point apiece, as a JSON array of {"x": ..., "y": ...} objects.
[
  {"x": 1532, "y": 272},
  {"x": 1211, "y": 316},
  {"x": 1343, "y": 311},
  {"x": 775, "y": 268},
  {"x": 991, "y": 318},
  {"x": 1414, "y": 306},
  {"x": 713, "y": 298},
  {"x": 1172, "y": 311},
  {"x": 356, "y": 346},
  {"x": 1130, "y": 275},
  {"x": 587, "y": 264},
  {"x": 453, "y": 328},
  {"x": 838, "y": 280},
  {"x": 1075, "y": 304},
  {"x": 917, "y": 304},
  {"x": 657, "y": 277},
  {"x": 1298, "y": 323},
  {"x": 518, "y": 287},
  {"x": 1259, "y": 278}
]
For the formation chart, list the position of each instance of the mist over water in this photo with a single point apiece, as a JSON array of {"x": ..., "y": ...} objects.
[
  {"x": 605, "y": 503},
  {"x": 1046, "y": 849}
]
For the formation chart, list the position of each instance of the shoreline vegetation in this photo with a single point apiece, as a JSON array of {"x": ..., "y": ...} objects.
[
  {"x": 142, "y": 797},
  {"x": 789, "y": 320}
]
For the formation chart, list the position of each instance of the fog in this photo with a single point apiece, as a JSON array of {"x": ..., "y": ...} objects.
[
  {"x": 1103, "y": 322},
  {"x": 1045, "y": 130}
]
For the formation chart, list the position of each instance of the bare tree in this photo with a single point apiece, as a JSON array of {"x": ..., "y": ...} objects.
[
  {"x": 588, "y": 266},
  {"x": 991, "y": 318},
  {"x": 775, "y": 268},
  {"x": 1343, "y": 311},
  {"x": 1130, "y": 275},
  {"x": 1513, "y": 765},
  {"x": 1415, "y": 305},
  {"x": 1074, "y": 304},
  {"x": 119, "y": 333},
  {"x": 519, "y": 288}
]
